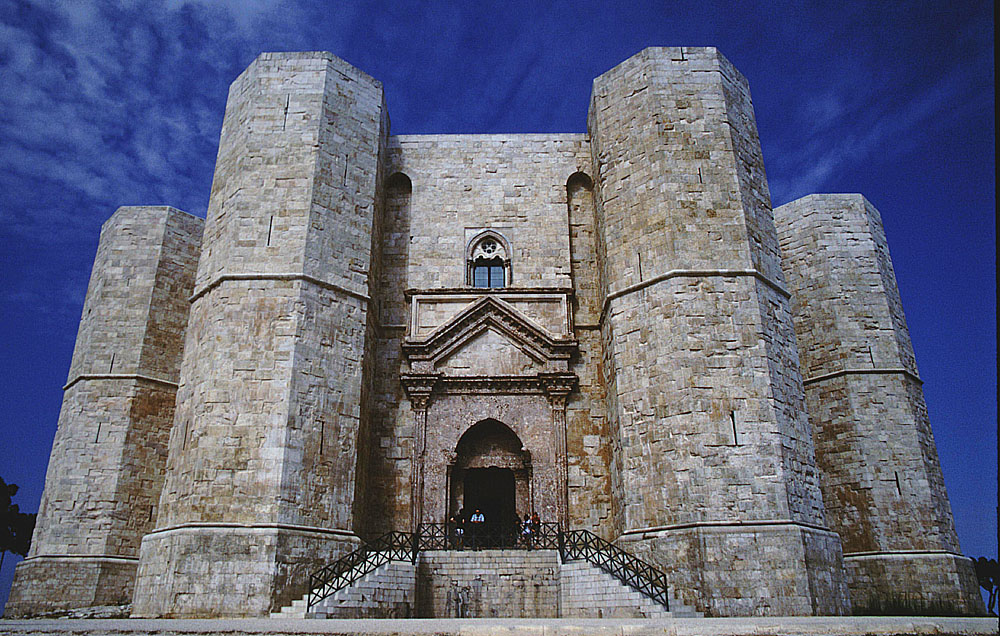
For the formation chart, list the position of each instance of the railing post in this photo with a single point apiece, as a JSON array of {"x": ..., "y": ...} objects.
[{"x": 416, "y": 544}]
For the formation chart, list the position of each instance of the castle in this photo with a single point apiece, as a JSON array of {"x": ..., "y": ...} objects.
[{"x": 613, "y": 330}]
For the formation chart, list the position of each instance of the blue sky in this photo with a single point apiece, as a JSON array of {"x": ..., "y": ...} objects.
[{"x": 115, "y": 103}]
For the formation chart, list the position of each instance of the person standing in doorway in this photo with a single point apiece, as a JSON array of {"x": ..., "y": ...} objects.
[{"x": 476, "y": 524}]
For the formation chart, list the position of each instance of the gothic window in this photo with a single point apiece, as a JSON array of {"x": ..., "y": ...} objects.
[{"x": 489, "y": 265}]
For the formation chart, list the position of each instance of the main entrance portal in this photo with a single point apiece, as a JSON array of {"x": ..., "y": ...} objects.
[
  {"x": 491, "y": 473},
  {"x": 491, "y": 491}
]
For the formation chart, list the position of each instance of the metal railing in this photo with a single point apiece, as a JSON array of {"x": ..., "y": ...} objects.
[
  {"x": 484, "y": 536},
  {"x": 392, "y": 546},
  {"x": 405, "y": 546},
  {"x": 629, "y": 569}
]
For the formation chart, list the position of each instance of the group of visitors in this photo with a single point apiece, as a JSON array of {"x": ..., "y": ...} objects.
[{"x": 475, "y": 531}]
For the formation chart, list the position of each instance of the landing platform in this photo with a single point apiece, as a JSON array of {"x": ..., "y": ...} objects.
[{"x": 775, "y": 626}]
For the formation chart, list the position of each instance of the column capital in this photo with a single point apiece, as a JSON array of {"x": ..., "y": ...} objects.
[
  {"x": 419, "y": 387},
  {"x": 557, "y": 387}
]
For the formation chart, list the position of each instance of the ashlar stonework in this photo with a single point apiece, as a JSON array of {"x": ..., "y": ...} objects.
[{"x": 610, "y": 329}]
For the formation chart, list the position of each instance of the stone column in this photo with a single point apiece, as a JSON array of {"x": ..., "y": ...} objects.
[
  {"x": 882, "y": 482},
  {"x": 106, "y": 468},
  {"x": 715, "y": 453},
  {"x": 557, "y": 389},
  {"x": 418, "y": 389}
]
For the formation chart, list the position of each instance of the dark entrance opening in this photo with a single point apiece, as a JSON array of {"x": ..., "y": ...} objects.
[{"x": 491, "y": 490}]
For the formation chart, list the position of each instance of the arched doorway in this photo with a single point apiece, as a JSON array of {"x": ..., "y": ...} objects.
[{"x": 491, "y": 472}]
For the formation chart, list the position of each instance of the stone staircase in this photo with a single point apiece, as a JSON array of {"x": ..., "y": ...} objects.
[
  {"x": 586, "y": 591},
  {"x": 484, "y": 584},
  {"x": 386, "y": 592}
]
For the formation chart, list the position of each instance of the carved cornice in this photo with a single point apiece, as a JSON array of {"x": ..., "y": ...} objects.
[
  {"x": 483, "y": 291},
  {"x": 421, "y": 386},
  {"x": 485, "y": 313}
]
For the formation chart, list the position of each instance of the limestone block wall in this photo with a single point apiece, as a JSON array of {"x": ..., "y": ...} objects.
[
  {"x": 262, "y": 473},
  {"x": 442, "y": 191},
  {"x": 587, "y": 437},
  {"x": 879, "y": 468},
  {"x": 106, "y": 468},
  {"x": 703, "y": 392},
  {"x": 488, "y": 583}
]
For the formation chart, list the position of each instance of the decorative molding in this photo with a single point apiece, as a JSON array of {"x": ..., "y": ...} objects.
[
  {"x": 120, "y": 376},
  {"x": 903, "y": 554},
  {"x": 482, "y": 314},
  {"x": 481, "y": 291},
  {"x": 873, "y": 371},
  {"x": 691, "y": 273},
  {"x": 278, "y": 276},
  {"x": 420, "y": 386},
  {"x": 725, "y": 524}
]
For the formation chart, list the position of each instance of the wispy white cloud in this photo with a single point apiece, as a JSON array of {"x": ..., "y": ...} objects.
[{"x": 848, "y": 120}]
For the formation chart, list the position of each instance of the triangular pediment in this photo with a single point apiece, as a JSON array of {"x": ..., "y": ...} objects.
[
  {"x": 488, "y": 353},
  {"x": 512, "y": 332}
]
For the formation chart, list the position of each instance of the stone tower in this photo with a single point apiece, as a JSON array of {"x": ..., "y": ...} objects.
[
  {"x": 386, "y": 331},
  {"x": 268, "y": 435},
  {"x": 103, "y": 482},
  {"x": 717, "y": 471},
  {"x": 879, "y": 469}
]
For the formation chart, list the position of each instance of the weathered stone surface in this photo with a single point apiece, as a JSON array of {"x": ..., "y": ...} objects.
[
  {"x": 594, "y": 328},
  {"x": 704, "y": 393},
  {"x": 262, "y": 476},
  {"x": 104, "y": 480},
  {"x": 882, "y": 482}
]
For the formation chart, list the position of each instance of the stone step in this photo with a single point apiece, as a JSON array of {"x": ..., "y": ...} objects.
[{"x": 585, "y": 589}]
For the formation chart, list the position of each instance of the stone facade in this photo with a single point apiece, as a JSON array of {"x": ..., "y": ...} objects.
[{"x": 599, "y": 328}]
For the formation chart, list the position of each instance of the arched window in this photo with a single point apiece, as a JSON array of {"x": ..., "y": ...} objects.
[{"x": 488, "y": 261}]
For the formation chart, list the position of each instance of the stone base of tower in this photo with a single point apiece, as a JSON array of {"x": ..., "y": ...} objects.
[
  {"x": 761, "y": 569},
  {"x": 913, "y": 583},
  {"x": 230, "y": 570},
  {"x": 51, "y": 583}
]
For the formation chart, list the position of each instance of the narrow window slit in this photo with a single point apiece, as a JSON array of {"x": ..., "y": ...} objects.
[
  {"x": 899, "y": 491},
  {"x": 270, "y": 225},
  {"x": 97, "y": 437},
  {"x": 322, "y": 436},
  {"x": 736, "y": 439},
  {"x": 871, "y": 356},
  {"x": 638, "y": 255},
  {"x": 699, "y": 176},
  {"x": 284, "y": 119},
  {"x": 112, "y": 366}
]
